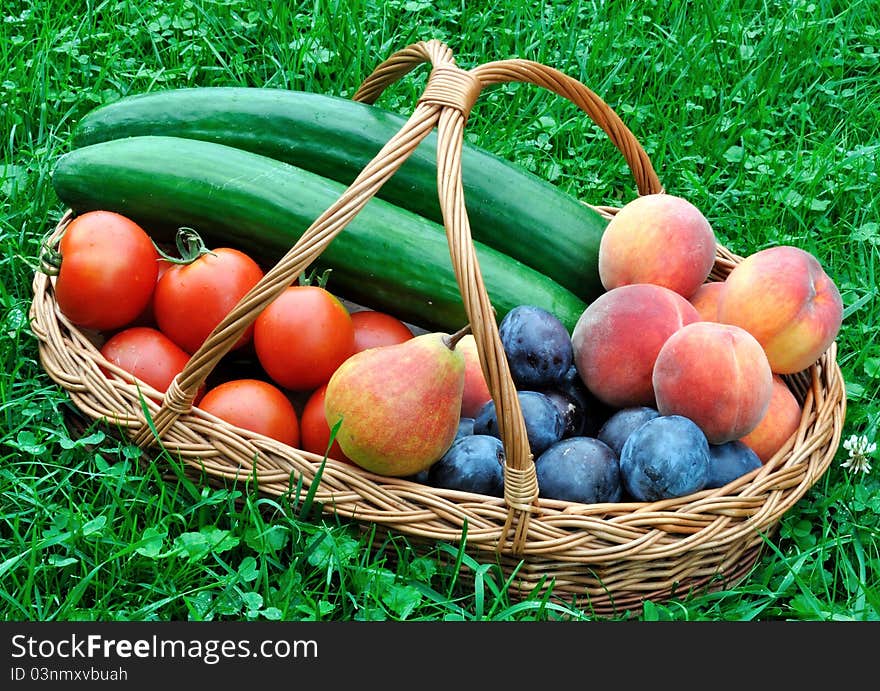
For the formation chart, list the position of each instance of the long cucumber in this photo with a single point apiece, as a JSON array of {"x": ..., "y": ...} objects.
[
  {"x": 386, "y": 257},
  {"x": 509, "y": 208}
]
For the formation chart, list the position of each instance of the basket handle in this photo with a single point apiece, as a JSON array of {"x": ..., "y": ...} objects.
[
  {"x": 445, "y": 103},
  {"x": 528, "y": 71},
  {"x": 457, "y": 90}
]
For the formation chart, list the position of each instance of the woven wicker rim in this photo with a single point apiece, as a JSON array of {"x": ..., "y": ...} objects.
[{"x": 519, "y": 524}]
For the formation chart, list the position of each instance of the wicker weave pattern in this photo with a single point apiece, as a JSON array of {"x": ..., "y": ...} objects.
[{"x": 606, "y": 557}]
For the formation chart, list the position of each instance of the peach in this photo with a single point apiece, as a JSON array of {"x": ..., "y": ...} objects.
[
  {"x": 784, "y": 298},
  {"x": 617, "y": 337},
  {"x": 660, "y": 239},
  {"x": 476, "y": 391},
  {"x": 781, "y": 421},
  {"x": 706, "y": 298},
  {"x": 715, "y": 374}
]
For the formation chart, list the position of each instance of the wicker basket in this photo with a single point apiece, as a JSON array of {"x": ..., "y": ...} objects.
[{"x": 604, "y": 558}]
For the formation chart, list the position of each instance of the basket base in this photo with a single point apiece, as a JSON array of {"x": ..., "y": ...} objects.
[
  {"x": 614, "y": 591},
  {"x": 607, "y": 592}
]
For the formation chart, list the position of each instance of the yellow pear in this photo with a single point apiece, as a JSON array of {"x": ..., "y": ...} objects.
[{"x": 398, "y": 406}]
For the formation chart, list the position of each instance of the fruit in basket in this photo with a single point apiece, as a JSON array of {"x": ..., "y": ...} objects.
[
  {"x": 465, "y": 427},
  {"x": 618, "y": 337},
  {"x": 784, "y": 298},
  {"x": 146, "y": 353},
  {"x": 474, "y": 463},
  {"x": 728, "y": 461},
  {"x": 782, "y": 419},
  {"x": 314, "y": 431},
  {"x": 108, "y": 270},
  {"x": 664, "y": 458},
  {"x": 399, "y": 405},
  {"x": 509, "y": 208},
  {"x": 705, "y": 300},
  {"x": 537, "y": 345},
  {"x": 660, "y": 239},
  {"x": 589, "y": 414},
  {"x": 622, "y": 423},
  {"x": 579, "y": 469},
  {"x": 147, "y": 317},
  {"x": 386, "y": 257},
  {"x": 302, "y": 336},
  {"x": 582, "y": 413},
  {"x": 715, "y": 374},
  {"x": 255, "y": 405},
  {"x": 373, "y": 328},
  {"x": 193, "y": 297},
  {"x": 476, "y": 391},
  {"x": 544, "y": 423},
  {"x": 572, "y": 408}
]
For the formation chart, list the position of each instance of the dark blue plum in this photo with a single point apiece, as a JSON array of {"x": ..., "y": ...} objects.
[
  {"x": 579, "y": 469},
  {"x": 666, "y": 457},
  {"x": 572, "y": 410},
  {"x": 474, "y": 463},
  {"x": 729, "y": 461},
  {"x": 622, "y": 423},
  {"x": 537, "y": 345},
  {"x": 544, "y": 423},
  {"x": 421, "y": 477},
  {"x": 465, "y": 428},
  {"x": 595, "y": 411}
]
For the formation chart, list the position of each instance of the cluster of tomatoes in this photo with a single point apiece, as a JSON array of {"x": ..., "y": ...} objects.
[{"x": 153, "y": 311}]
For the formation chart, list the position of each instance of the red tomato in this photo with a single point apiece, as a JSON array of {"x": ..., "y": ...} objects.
[
  {"x": 254, "y": 405},
  {"x": 108, "y": 270},
  {"x": 191, "y": 299},
  {"x": 147, "y": 317},
  {"x": 373, "y": 329},
  {"x": 302, "y": 337},
  {"x": 315, "y": 430},
  {"x": 146, "y": 353}
]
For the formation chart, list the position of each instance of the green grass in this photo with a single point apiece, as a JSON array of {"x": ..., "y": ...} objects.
[{"x": 763, "y": 114}]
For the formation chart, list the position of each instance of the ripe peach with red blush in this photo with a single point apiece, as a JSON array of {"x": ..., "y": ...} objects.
[
  {"x": 715, "y": 374},
  {"x": 660, "y": 239},
  {"x": 706, "y": 298},
  {"x": 784, "y": 298},
  {"x": 617, "y": 337},
  {"x": 782, "y": 419}
]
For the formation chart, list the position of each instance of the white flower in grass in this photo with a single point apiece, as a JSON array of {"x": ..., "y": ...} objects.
[{"x": 859, "y": 450}]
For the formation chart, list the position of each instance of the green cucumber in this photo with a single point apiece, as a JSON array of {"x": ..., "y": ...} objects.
[
  {"x": 509, "y": 208},
  {"x": 386, "y": 258}
]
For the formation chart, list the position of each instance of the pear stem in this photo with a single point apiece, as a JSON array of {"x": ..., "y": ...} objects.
[{"x": 452, "y": 341}]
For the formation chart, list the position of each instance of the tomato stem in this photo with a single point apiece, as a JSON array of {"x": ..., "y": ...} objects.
[
  {"x": 314, "y": 279},
  {"x": 190, "y": 246}
]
